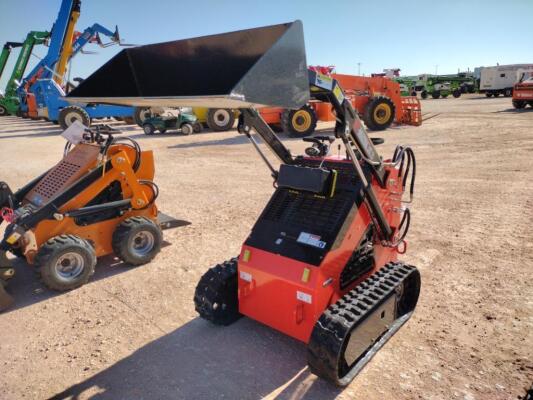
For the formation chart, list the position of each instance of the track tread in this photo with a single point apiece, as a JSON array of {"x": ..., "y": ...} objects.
[
  {"x": 338, "y": 320},
  {"x": 218, "y": 286}
]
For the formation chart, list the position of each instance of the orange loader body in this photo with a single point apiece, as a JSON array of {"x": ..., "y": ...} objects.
[{"x": 361, "y": 90}]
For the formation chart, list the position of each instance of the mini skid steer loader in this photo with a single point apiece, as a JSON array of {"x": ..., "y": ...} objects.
[
  {"x": 99, "y": 199},
  {"x": 321, "y": 263}
]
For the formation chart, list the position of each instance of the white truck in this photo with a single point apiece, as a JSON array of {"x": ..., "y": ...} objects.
[{"x": 500, "y": 79}]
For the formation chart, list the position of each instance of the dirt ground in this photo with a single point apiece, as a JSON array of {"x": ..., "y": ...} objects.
[{"x": 132, "y": 333}]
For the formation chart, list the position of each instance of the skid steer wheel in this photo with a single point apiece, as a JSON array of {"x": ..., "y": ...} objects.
[
  {"x": 456, "y": 93},
  {"x": 435, "y": 94},
  {"x": 299, "y": 123},
  {"x": 137, "y": 240},
  {"x": 424, "y": 94},
  {"x": 66, "y": 262},
  {"x": 215, "y": 297},
  {"x": 148, "y": 129},
  {"x": 220, "y": 119},
  {"x": 379, "y": 113},
  {"x": 3, "y": 111},
  {"x": 70, "y": 114}
]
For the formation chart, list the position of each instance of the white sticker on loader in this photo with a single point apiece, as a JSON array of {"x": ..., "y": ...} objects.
[
  {"x": 74, "y": 133},
  {"x": 311, "y": 240},
  {"x": 307, "y": 298},
  {"x": 245, "y": 276}
]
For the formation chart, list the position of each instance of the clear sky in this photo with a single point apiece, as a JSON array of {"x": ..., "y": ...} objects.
[{"x": 414, "y": 35}]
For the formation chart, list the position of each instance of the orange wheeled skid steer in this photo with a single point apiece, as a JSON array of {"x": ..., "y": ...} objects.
[
  {"x": 98, "y": 200},
  {"x": 321, "y": 262}
]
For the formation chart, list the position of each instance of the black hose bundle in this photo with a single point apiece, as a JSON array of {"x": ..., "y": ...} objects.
[
  {"x": 134, "y": 145},
  {"x": 405, "y": 156}
]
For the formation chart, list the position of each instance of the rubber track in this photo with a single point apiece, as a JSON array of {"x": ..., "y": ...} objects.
[
  {"x": 336, "y": 323},
  {"x": 214, "y": 284}
]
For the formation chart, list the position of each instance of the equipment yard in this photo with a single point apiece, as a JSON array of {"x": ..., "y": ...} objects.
[{"x": 133, "y": 333}]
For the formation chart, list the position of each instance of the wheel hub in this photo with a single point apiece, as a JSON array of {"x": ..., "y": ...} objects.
[
  {"x": 382, "y": 113},
  {"x": 222, "y": 117},
  {"x": 142, "y": 243},
  {"x": 301, "y": 121},
  {"x": 71, "y": 117},
  {"x": 69, "y": 266}
]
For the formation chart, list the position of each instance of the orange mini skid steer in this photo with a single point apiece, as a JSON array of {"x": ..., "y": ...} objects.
[{"x": 98, "y": 200}]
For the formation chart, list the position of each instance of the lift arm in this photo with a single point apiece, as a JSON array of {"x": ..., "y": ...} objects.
[
  {"x": 32, "y": 38},
  {"x": 69, "y": 9},
  {"x": 348, "y": 128},
  {"x": 6, "y": 52}
]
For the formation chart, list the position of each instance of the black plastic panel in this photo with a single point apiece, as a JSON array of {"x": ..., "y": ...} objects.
[{"x": 290, "y": 213}]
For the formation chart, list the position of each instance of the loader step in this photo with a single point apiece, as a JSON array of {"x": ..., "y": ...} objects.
[{"x": 351, "y": 331}]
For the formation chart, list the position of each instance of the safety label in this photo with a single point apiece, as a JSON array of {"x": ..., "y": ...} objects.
[
  {"x": 306, "y": 298},
  {"x": 323, "y": 81},
  {"x": 311, "y": 240},
  {"x": 245, "y": 276}
]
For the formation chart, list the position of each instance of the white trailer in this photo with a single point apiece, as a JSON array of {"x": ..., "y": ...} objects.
[{"x": 500, "y": 79}]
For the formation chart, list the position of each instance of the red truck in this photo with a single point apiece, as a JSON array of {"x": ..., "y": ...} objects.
[{"x": 523, "y": 92}]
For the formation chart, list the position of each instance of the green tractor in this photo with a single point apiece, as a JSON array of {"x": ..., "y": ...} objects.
[
  {"x": 185, "y": 121},
  {"x": 407, "y": 85}
]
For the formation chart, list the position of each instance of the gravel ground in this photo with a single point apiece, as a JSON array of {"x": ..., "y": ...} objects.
[{"x": 132, "y": 333}]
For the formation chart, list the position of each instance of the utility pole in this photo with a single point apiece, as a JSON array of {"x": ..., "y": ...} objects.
[
  {"x": 436, "y": 68},
  {"x": 359, "y": 68}
]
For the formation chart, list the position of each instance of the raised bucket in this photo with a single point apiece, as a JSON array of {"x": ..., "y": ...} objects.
[{"x": 249, "y": 68}]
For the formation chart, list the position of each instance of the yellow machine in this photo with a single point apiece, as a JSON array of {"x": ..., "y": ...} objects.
[
  {"x": 98, "y": 200},
  {"x": 66, "y": 47}
]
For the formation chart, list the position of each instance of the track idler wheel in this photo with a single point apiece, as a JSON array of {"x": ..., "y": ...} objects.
[
  {"x": 216, "y": 295},
  {"x": 351, "y": 331}
]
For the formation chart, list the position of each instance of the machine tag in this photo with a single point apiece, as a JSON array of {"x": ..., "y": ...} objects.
[
  {"x": 323, "y": 81},
  {"x": 245, "y": 276},
  {"x": 311, "y": 240},
  {"x": 306, "y": 298}
]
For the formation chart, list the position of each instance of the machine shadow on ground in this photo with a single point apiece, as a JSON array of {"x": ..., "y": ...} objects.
[
  {"x": 27, "y": 289},
  {"x": 201, "y": 361},
  {"x": 22, "y": 134},
  {"x": 241, "y": 139},
  {"x": 484, "y": 98},
  {"x": 514, "y": 111}
]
